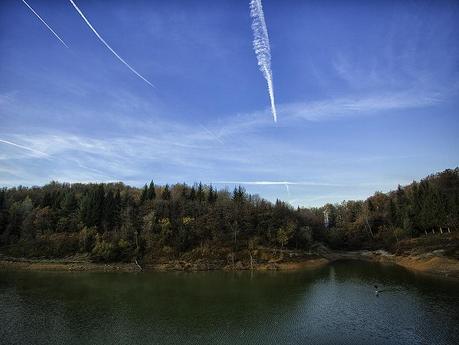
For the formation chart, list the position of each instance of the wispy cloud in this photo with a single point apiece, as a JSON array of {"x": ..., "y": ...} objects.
[
  {"x": 41, "y": 19},
  {"x": 107, "y": 45},
  {"x": 359, "y": 106},
  {"x": 331, "y": 108},
  {"x": 262, "y": 48},
  {"x": 190, "y": 153},
  {"x": 176, "y": 153}
]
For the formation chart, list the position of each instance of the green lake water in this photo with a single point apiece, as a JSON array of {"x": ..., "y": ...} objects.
[{"x": 335, "y": 304}]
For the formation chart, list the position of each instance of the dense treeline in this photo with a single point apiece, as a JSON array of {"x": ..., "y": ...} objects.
[
  {"x": 425, "y": 207},
  {"x": 117, "y": 222}
]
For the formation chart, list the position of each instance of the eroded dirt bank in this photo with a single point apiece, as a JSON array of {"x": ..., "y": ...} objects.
[
  {"x": 171, "y": 265},
  {"x": 64, "y": 265},
  {"x": 432, "y": 263}
]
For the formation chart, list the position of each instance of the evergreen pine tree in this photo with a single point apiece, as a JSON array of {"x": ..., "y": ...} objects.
[
  {"x": 212, "y": 196},
  {"x": 109, "y": 211},
  {"x": 200, "y": 193},
  {"x": 151, "y": 191},
  {"x": 192, "y": 193},
  {"x": 144, "y": 195},
  {"x": 69, "y": 204},
  {"x": 166, "y": 194}
]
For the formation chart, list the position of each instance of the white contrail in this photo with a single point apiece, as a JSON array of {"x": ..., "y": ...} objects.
[
  {"x": 49, "y": 28},
  {"x": 262, "y": 48},
  {"x": 281, "y": 183},
  {"x": 24, "y": 148},
  {"x": 108, "y": 46}
]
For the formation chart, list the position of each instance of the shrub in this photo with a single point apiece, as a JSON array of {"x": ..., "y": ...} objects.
[
  {"x": 87, "y": 238},
  {"x": 103, "y": 250}
]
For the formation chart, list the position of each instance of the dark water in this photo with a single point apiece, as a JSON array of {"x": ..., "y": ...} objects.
[{"x": 332, "y": 305}]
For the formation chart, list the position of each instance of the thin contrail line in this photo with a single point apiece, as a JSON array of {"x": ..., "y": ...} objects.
[
  {"x": 48, "y": 157},
  {"x": 281, "y": 183},
  {"x": 49, "y": 28},
  {"x": 212, "y": 134},
  {"x": 24, "y": 147},
  {"x": 108, "y": 46}
]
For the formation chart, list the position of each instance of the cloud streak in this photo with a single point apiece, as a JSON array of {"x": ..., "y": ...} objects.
[
  {"x": 169, "y": 154},
  {"x": 24, "y": 148},
  {"x": 49, "y": 28},
  {"x": 213, "y": 135},
  {"x": 280, "y": 183},
  {"x": 108, "y": 46},
  {"x": 262, "y": 48},
  {"x": 358, "y": 106}
]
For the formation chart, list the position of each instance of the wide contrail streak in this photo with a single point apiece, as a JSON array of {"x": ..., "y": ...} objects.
[
  {"x": 108, "y": 46},
  {"x": 262, "y": 48},
  {"x": 24, "y": 148},
  {"x": 49, "y": 28}
]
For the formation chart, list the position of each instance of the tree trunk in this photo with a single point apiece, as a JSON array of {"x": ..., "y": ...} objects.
[{"x": 137, "y": 263}]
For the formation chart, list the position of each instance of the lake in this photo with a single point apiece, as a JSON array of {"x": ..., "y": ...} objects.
[{"x": 335, "y": 304}]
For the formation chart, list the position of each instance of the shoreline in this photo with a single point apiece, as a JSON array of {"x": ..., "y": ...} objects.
[
  {"x": 431, "y": 263},
  {"x": 172, "y": 266},
  {"x": 64, "y": 266}
]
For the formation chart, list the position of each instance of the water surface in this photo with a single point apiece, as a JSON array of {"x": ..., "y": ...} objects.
[{"x": 335, "y": 304}]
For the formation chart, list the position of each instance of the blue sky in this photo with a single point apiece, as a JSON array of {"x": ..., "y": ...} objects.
[{"x": 366, "y": 91}]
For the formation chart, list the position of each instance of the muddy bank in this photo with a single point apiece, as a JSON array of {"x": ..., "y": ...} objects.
[
  {"x": 266, "y": 259},
  {"x": 238, "y": 266},
  {"x": 62, "y": 265},
  {"x": 434, "y": 263},
  {"x": 295, "y": 262},
  {"x": 36, "y": 265}
]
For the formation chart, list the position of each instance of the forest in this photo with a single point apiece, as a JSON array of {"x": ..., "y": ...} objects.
[{"x": 113, "y": 222}]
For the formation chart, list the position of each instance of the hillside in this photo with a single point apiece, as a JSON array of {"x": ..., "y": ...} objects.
[{"x": 211, "y": 228}]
